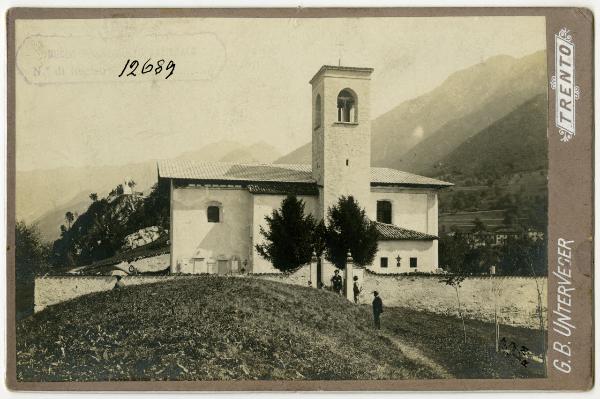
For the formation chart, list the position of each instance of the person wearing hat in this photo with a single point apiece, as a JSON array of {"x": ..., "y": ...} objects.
[
  {"x": 377, "y": 309},
  {"x": 356, "y": 289},
  {"x": 336, "y": 282}
]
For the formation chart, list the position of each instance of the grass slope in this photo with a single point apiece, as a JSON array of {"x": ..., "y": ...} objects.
[
  {"x": 214, "y": 328},
  {"x": 207, "y": 328},
  {"x": 441, "y": 339}
]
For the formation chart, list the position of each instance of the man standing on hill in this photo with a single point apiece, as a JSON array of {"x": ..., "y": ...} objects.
[
  {"x": 336, "y": 282},
  {"x": 356, "y": 289},
  {"x": 377, "y": 309}
]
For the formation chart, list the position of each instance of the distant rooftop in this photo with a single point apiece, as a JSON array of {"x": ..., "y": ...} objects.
[{"x": 280, "y": 173}]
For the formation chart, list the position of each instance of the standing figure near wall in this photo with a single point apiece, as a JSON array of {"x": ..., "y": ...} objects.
[
  {"x": 356, "y": 289},
  {"x": 336, "y": 282}
]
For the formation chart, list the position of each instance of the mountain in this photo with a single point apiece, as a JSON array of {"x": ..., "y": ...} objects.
[
  {"x": 504, "y": 166},
  {"x": 516, "y": 143},
  {"x": 300, "y": 155},
  {"x": 260, "y": 152},
  {"x": 415, "y": 134},
  {"x": 42, "y": 191},
  {"x": 44, "y": 196},
  {"x": 49, "y": 223}
]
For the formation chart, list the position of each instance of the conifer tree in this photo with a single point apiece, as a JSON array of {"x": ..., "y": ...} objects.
[
  {"x": 349, "y": 230},
  {"x": 288, "y": 238}
]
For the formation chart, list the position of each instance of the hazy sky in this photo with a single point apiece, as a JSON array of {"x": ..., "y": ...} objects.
[{"x": 235, "y": 79}]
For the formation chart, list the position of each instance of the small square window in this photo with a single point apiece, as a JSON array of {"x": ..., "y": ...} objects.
[
  {"x": 413, "y": 262},
  {"x": 212, "y": 214},
  {"x": 383, "y": 262}
]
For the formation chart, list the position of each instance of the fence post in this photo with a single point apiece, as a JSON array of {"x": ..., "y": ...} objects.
[
  {"x": 313, "y": 271},
  {"x": 348, "y": 273}
]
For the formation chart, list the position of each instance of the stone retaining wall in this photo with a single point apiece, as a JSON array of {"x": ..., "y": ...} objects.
[
  {"x": 515, "y": 297},
  {"x": 56, "y": 289}
]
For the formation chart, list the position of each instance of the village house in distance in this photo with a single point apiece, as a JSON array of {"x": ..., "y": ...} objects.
[{"x": 217, "y": 208}]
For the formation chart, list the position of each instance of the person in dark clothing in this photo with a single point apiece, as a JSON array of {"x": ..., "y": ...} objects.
[
  {"x": 356, "y": 289},
  {"x": 336, "y": 282},
  {"x": 377, "y": 309},
  {"x": 119, "y": 284}
]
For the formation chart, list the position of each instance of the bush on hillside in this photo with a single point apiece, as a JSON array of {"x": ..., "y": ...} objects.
[{"x": 31, "y": 259}]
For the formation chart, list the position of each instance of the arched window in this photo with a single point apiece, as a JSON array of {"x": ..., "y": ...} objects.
[
  {"x": 384, "y": 212},
  {"x": 346, "y": 105},
  {"x": 213, "y": 214},
  {"x": 317, "y": 113}
]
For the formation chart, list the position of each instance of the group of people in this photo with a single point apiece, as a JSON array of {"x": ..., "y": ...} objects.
[{"x": 337, "y": 285}]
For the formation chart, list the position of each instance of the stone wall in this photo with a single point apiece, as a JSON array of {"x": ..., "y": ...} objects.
[
  {"x": 53, "y": 290},
  {"x": 516, "y": 297},
  {"x": 150, "y": 264}
]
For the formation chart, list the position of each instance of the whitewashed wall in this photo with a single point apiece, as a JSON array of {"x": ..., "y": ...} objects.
[
  {"x": 413, "y": 209},
  {"x": 192, "y": 237},
  {"x": 422, "y": 250}
]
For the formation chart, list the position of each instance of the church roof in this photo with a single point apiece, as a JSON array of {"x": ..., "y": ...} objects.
[
  {"x": 283, "y": 173},
  {"x": 390, "y": 232},
  {"x": 326, "y": 68},
  {"x": 284, "y": 188}
]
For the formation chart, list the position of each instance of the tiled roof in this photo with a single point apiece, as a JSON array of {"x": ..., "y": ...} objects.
[
  {"x": 284, "y": 188},
  {"x": 393, "y": 176},
  {"x": 389, "y": 232},
  {"x": 301, "y": 173},
  {"x": 182, "y": 169}
]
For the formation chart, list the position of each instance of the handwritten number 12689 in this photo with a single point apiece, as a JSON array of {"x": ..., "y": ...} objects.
[{"x": 147, "y": 67}]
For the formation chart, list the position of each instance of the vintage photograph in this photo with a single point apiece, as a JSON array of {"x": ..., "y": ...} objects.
[{"x": 281, "y": 199}]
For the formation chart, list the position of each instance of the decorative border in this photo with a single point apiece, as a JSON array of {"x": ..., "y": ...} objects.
[{"x": 563, "y": 83}]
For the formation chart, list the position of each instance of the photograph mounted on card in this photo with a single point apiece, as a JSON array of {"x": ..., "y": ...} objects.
[{"x": 337, "y": 199}]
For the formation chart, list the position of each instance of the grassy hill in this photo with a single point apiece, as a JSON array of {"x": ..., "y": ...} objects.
[{"x": 209, "y": 328}]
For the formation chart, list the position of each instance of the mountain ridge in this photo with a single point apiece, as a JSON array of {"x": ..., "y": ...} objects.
[
  {"x": 468, "y": 93},
  {"x": 66, "y": 189}
]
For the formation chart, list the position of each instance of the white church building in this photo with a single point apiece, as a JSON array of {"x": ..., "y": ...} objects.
[{"x": 217, "y": 208}]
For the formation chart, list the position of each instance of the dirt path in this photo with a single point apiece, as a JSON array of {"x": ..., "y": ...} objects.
[{"x": 419, "y": 357}]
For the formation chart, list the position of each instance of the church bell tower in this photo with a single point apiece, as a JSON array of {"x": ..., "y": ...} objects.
[{"x": 341, "y": 136}]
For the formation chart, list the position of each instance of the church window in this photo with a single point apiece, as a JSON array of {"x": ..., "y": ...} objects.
[
  {"x": 213, "y": 214},
  {"x": 384, "y": 212},
  {"x": 346, "y": 106},
  {"x": 413, "y": 262},
  {"x": 383, "y": 262},
  {"x": 317, "y": 113}
]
